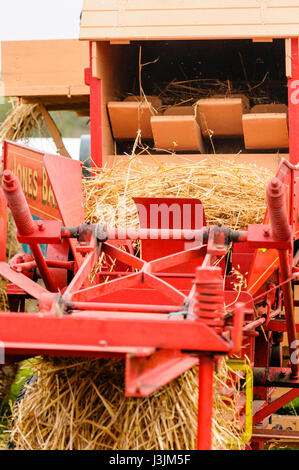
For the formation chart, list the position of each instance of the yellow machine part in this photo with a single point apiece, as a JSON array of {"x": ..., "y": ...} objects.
[{"x": 238, "y": 364}]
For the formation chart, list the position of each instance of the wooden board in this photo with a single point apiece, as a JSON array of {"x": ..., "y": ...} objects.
[
  {"x": 188, "y": 19},
  {"x": 270, "y": 160},
  {"x": 45, "y": 68},
  {"x": 110, "y": 64}
]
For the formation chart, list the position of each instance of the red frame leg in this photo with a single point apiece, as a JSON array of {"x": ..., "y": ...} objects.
[{"x": 205, "y": 402}]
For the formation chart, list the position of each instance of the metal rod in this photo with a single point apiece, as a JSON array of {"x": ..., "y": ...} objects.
[
  {"x": 43, "y": 268},
  {"x": 205, "y": 402},
  {"x": 29, "y": 265},
  {"x": 275, "y": 405},
  {"x": 166, "y": 234},
  {"x": 116, "y": 307},
  {"x": 289, "y": 312},
  {"x": 125, "y": 273},
  {"x": 260, "y": 321}
]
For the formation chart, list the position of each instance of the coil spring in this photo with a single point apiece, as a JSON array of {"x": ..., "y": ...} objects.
[{"x": 209, "y": 293}]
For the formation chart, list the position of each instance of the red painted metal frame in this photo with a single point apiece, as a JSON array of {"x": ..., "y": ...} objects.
[
  {"x": 293, "y": 197},
  {"x": 273, "y": 406},
  {"x": 96, "y": 134},
  {"x": 160, "y": 339},
  {"x": 3, "y": 225},
  {"x": 145, "y": 375},
  {"x": 101, "y": 333},
  {"x": 205, "y": 402},
  {"x": 173, "y": 343},
  {"x": 293, "y": 95}
]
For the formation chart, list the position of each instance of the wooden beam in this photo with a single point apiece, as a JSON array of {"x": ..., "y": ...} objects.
[{"x": 54, "y": 132}]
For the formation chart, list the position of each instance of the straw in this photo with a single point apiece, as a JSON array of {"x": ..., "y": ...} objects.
[
  {"x": 232, "y": 193},
  {"x": 79, "y": 404},
  {"x": 181, "y": 92},
  {"x": 23, "y": 122}
]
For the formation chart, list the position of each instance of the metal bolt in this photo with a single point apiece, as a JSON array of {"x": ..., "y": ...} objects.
[
  {"x": 8, "y": 178},
  {"x": 266, "y": 232},
  {"x": 41, "y": 226}
]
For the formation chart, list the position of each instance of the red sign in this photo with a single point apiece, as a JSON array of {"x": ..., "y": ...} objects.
[{"x": 28, "y": 165}]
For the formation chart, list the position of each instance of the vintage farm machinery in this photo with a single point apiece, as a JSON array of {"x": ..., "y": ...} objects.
[
  {"x": 167, "y": 311},
  {"x": 173, "y": 307}
]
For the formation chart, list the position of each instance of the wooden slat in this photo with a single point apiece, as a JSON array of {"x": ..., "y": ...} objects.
[
  {"x": 278, "y": 16},
  {"x": 54, "y": 132},
  {"x": 40, "y": 90},
  {"x": 106, "y": 5},
  {"x": 190, "y": 19},
  {"x": 192, "y": 32},
  {"x": 168, "y": 18},
  {"x": 269, "y": 160}
]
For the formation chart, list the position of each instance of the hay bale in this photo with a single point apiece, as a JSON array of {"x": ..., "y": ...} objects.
[
  {"x": 23, "y": 122},
  {"x": 79, "y": 404},
  {"x": 232, "y": 193}
]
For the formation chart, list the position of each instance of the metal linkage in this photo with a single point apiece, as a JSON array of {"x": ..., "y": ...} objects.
[{"x": 221, "y": 235}]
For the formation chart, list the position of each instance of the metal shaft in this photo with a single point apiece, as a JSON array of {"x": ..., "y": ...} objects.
[{"x": 21, "y": 213}]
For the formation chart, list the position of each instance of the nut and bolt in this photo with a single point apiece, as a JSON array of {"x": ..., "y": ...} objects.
[{"x": 41, "y": 226}]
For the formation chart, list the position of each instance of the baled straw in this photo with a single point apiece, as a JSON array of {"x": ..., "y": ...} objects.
[
  {"x": 78, "y": 404},
  {"x": 232, "y": 193},
  {"x": 22, "y": 122}
]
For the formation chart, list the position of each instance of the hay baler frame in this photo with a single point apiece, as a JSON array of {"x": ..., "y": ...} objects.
[{"x": 194, "y": 317}]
